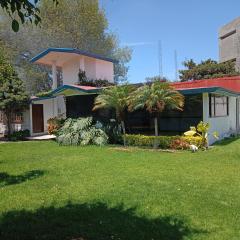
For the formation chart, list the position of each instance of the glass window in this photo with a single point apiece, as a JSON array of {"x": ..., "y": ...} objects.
[{"x": 218, "y": 106}]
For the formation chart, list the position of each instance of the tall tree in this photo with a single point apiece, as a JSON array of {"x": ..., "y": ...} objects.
[
  {"x": 206, "y": 69},
  {"x": 116, "y": 98},
  {"x": 77, "y": 24},
  {"x": 155, "y": 98},
  {"x": 24, "y": 10},
  {"x": 13, "y": 97}
]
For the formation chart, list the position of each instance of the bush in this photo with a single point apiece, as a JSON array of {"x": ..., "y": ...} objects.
[
  {"x": 164, "y": 142},
  {"x": 80, "y": 131},
  {"x": 19, "y": 135},
  {"x": 196, "y": 140},
  {"x": 54, "y": 124},
  {"x": 113, "y": 131}
]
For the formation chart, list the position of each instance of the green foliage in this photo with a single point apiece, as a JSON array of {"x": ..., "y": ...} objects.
[
  {"x": 19, "y": 135},
  {"x": 84, "y": 81},
  {"x": 13, "y": 97},
  {"x": 112, "y": 129},
  {"x": 207, "y": 69},
  {"x": 164, "y": 142},
  {"x": 156, "y": 97},
  {"x": 27, "y": 11},
  {"x": 81, "y": 132},
  {"x": 156, "y": 78},
  {"x": 89, "y": 32}
]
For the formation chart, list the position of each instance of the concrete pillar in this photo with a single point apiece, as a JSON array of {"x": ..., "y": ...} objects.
[
  {"x": 54, "y": 75},
  {"x": 82, "y": 64}
]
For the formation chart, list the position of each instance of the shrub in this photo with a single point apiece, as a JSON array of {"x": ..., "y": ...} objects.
[
  {"x": 54, "y": 124},
  {"x": 80, "y": 131},
  {"x": 163, "y": 142},
  {"x": 196, "y": 140},
  {"x": 19, "y": 135},
  {"x": 179, "y": 144}
]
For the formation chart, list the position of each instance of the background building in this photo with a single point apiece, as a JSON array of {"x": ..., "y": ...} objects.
[{"x": 229, "y": 42}]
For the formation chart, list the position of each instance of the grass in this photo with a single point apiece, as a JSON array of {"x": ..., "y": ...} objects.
[{"x": 85, "y": 193}]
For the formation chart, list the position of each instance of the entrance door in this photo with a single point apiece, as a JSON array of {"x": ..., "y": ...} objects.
[{"x": 37, "y": 118}]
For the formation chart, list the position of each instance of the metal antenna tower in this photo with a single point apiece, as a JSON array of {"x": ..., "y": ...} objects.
[
  {"x": 160, "y": 59},
  {"x": 176, "y": 65}
]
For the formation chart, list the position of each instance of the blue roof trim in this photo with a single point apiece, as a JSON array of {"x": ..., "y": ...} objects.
[
  {"x": 41, "y": 98},
  {"x": 65, "y": 87},
  {"x": 72, "y": 50},
  {"x": 219, "y": 90}
]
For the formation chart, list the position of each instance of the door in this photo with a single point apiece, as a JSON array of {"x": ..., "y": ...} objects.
[{"x": 37, "y": 118}]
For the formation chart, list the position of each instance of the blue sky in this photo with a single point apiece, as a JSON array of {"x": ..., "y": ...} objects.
[{"x": 188, "y": 26}]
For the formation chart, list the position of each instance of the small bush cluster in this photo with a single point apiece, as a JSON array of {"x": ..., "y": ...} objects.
[
  {"x": 163, "y": 142},
  {"x": 81, "y": 131},
  {"x": 54, "y": 124},
  {"x": 19, "y": 135}
]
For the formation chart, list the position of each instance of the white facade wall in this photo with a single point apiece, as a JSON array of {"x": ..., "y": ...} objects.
[
  {"x": 226, "y": 125},
  {"x": 104, "y": 70},
  {"x": 94, "y": 68}
]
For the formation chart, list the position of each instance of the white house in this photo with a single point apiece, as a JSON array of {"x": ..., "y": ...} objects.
[{"x": 214, "y": 100}]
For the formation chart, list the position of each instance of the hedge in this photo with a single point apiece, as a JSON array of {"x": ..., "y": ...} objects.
[{"x": 163, "y": 142}]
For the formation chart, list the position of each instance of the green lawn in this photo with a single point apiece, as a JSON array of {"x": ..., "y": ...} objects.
[{"x": 85, "y": 193}]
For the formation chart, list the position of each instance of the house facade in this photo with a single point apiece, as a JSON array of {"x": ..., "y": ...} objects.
[{"x": 214, "y": 100}]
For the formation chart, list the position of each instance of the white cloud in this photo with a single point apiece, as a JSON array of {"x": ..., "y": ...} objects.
[{"x": 135, "y": 44}]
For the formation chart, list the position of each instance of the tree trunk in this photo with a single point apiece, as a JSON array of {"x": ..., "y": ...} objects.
[
  {"x": 156, "y": 132},
  {"x": 9, "y": 127},
  {"x": 124, "y": 132}
]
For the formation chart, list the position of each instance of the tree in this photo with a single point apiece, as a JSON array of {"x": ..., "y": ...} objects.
[
  {"x": 23, "y": 10},
  {"x": 75, "y": 24},
  {"x": 155, "y": 98},
  {"x": 206, "y": 69},
  {"x": 13, "y": 97},
  {"x": 156, "y": 78},
  {"x": 116, "y": 98}
]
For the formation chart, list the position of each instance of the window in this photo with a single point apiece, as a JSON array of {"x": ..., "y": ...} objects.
[
  {"x": 17, "y": 118},
  {"x": 218, "y": 105}
]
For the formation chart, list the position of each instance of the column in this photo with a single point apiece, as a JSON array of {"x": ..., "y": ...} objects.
[{"x": 54, "y": 75}]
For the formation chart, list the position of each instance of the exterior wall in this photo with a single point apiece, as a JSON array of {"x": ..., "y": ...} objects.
[
  {"x": 104, "y": 70},
  {"x": 226, "y": 125},
  {"x": 229, "y": 42},
  {"x": 17, "y": 126},
  {"x": 95, "y": 69}
]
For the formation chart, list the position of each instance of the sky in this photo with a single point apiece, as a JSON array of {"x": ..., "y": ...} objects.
[{"x": 189, "y": 27}]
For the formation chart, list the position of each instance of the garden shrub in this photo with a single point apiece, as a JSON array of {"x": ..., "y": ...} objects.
[
  {"x": 163, "y": 142},
  {"x": 54, "y": 124},
  {"x": 19, "y": 135},
  {"x": 81, "y": 131}
]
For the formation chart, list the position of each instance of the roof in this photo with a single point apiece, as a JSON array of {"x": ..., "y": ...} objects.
[
  {"x": 69, "y": 90},
  {"x": 71, "y": 51},
  {"x": 229, "y": 85}
]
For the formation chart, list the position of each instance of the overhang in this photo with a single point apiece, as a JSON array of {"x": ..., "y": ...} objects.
[
  {"x": 215, "y": 90},
  {"x": 62, "y": 55}
]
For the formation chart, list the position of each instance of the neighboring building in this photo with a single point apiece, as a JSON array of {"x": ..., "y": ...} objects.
[
  {"x": 214, "y": 100},
  {"x": 229, "y": 42}
]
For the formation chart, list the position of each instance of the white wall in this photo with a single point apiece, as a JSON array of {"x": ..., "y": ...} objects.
[
  {"x": 225, "y": 126},
  {"x": 94, "y": 68},
  {"x": 104, "y": 70}
]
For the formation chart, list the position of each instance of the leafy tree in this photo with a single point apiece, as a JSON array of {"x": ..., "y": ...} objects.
[
  {"x": 13, "y": 97},
  {"x": 206, "y": 69},
  {"x": 76, "y": 24},
  {"x": 116, "y": 98},
  {"x": 156, "y": 78},
  {"x": 23, "y": 10},
  {"x": 155, "y": 98}
]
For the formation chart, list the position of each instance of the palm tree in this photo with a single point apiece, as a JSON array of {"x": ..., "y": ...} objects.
[
  {"x": 115, "y": 98},
  {"x": 155, "y": 98}
]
